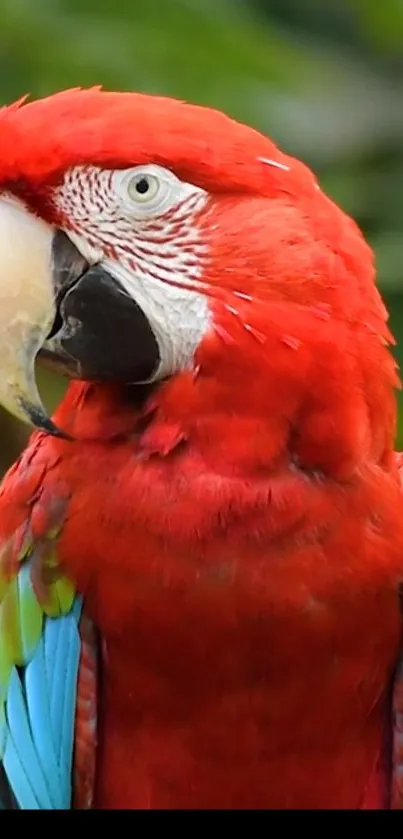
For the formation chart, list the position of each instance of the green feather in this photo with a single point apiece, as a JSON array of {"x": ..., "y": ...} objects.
[
  {"x": 3, "y": 585},
  {"x": 6, "y": 665},
  {"x": 30, "y": 614},
  {"x": 10, "y": 629},
  {"x": 59, "y": 598},
  {"x": 59, "y": 593},
  {"x": 34, "y": 590}
]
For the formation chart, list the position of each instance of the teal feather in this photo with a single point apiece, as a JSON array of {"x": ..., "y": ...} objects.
[
  {"x": 39, "y": 662},
  {"x": 20, "y": 746},
  {"x": 39, "y": 745},
  {"x": 37, "y": 691},
  {"x": 70, "y": 696},
  {"x": 18, "y": 779}
]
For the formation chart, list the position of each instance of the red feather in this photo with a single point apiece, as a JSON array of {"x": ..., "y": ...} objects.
[
  {"x": 251, "y": 622},
  {"x": 238, "y": 538}
]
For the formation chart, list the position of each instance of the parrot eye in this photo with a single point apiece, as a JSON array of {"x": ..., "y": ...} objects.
[
  {"x": 148, "y": 189},
  {"x": 143, "y": 188}
]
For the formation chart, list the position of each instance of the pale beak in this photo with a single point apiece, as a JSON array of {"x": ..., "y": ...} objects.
[
  {"x": 27, "y": 309},
  {"x": 76, "y": 317}
]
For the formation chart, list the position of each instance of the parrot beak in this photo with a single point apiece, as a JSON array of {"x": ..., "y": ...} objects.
[
  {"x": 73, "y": 316},
  {"x": 27, "y": 310}
]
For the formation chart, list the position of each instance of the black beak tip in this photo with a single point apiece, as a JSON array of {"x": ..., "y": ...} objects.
[{"x": 40, "y": 420}]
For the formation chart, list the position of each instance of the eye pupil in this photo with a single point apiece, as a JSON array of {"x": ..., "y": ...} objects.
[{"x": 142, "y": 186}]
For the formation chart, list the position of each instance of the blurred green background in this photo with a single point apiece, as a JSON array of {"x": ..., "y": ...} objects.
[{"x": 323, "y": 77}]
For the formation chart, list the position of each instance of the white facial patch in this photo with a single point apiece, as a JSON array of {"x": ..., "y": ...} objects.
[{"x": 141, "y": 224}]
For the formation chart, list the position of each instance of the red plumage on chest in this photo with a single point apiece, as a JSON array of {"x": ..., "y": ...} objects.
[{"x": 249, "y": 627}]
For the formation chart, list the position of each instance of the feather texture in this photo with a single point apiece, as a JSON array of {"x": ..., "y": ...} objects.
[{"x": 39, "y": 662}]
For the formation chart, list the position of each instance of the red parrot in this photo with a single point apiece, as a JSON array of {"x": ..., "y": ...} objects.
[{"x": 201, "y": 552}]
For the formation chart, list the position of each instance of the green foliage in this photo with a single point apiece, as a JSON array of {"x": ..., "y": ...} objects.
[{"x": 323, "y": 78}]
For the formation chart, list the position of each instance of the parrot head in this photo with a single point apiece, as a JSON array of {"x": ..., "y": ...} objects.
[{"x": 141, "y": 237}]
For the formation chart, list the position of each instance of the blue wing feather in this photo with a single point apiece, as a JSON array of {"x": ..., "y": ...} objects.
[
  {"x": 18, "y": 778},
  {"x": 20, "y": 759},
  {"x": 51, "y": 638},
  {"x": 39, "y": 717},
  {"x": 36, "y": 685},
  {"x": 70, "y": 677}
]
